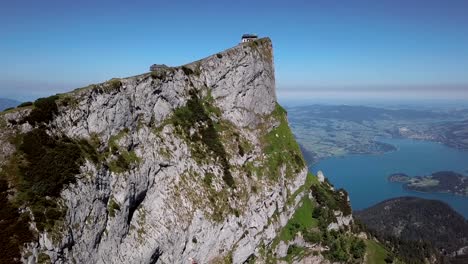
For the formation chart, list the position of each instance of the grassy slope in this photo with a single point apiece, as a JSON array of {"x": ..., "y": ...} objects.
[
  {"x": 376, "y": 254},
  {"x": 299, "y": 221}
]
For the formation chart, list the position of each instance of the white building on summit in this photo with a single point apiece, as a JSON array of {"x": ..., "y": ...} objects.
[{"x": 248, "y": 38}]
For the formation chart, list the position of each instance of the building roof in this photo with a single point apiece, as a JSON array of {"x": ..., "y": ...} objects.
[
  {"x": 156, "y": 67},
  {"x": 249, "y": 36}
]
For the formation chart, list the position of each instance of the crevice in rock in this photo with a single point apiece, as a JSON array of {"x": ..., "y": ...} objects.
[
  {"x": 134, "y": 203},
  {"x": 155, "y": 256},
  {"x": 250, "y": 259},
  {"x": 258, "y": 74}
]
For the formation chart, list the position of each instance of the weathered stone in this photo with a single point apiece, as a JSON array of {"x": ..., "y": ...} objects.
[{"x": 159, "y": 210}]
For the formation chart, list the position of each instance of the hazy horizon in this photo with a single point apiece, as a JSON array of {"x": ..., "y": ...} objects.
[{"x": 357, "y": 49}]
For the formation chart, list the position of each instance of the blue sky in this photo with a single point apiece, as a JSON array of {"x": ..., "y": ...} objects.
[{"x": 327, "y": 48}]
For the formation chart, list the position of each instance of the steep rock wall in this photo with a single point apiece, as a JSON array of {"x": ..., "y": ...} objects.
[{"x": 174, "y": 200}]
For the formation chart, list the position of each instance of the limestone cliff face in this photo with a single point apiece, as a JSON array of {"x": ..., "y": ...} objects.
[
  {"x": 158, "y": 208},
  {"x": 192, "y": 162}
]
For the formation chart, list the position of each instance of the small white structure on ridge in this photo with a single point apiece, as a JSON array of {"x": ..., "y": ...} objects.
[
  {"x": 320, "y": 176},
  {"x": 248, "y": 38}
]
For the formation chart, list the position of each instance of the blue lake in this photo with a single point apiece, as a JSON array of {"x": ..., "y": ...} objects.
[{"x": 365, "y": 176}]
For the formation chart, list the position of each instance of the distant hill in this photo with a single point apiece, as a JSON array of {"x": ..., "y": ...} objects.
[
  {"x": 366, "y": 113},
  {"x": 416, "y": 219},
  {"x": 336, "y": 130},
  {"x": 6, "y": 103},
  {"x": 453, "y": 134}
]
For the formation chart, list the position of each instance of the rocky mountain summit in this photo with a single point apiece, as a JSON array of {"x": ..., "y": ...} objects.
[{"x": 190, "y": 163}]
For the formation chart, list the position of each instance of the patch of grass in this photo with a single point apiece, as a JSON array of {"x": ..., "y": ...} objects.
[
  {"x": 206, "y": 140},
  {"x": 281, "y": 148},
  {"x": 187, "y": 70},
  {"x": 294, "y": 252},
  {"x": 159, "y": 74},
  {"x": 89, "y": 150},
  {"x": 192, "y": 69},
  {"x": 358, "y": 248},
  {"x": 375, "y": 252},
  {"x": 43, "y": 258},
  {"x": 119, "y": 165},
  {"x": 114, "y": 140},
  {"x": 208, "y": 179},
  {"x": 69, "y": 100},
  {"x": 125, "y": 159},
  {"x": 310, "y": 180},
  {"x": 112, "y": 207},
  {"x": 131, "y": 157},
  {"x": 301, "y": 221},
  {"x": 259, "y": 46},
  {"x": 113, "y": 84}
]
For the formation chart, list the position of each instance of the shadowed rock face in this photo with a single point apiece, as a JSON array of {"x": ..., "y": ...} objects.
[{"x": 179, "y": 168}]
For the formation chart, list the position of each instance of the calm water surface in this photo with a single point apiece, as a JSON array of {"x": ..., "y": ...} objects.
[{"x": 365, "y": 176}]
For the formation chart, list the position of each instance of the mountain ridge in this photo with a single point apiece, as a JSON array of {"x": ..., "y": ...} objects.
[
  {"x": 7, "y": 103},
  {"x": 195, "y": 161},
  {"x": 413, "y": 219},
  {"x": 188, "y": 163}
]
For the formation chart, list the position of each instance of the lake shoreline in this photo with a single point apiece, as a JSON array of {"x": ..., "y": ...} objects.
[{"x": 364, "y": 176}]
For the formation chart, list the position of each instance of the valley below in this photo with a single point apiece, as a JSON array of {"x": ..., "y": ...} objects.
[
  {"x": 336, "y": 130},
  {"x": 358, "y": 147}
]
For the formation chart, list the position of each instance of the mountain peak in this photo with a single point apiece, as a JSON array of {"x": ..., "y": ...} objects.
[{"x": 195, "y": 161}]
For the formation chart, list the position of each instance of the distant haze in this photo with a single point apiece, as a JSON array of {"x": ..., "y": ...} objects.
[
  {"x": 387, "y": 48},
  {"x": 404, "y": 93},
  {"x": 6, "y": 103}
]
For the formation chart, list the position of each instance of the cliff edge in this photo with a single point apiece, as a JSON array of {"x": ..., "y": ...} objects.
[{"x": 195, "y": 162}]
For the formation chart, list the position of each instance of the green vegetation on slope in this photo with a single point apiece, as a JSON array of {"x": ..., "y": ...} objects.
[
  {"x": 376, "y": 254},
  {"x": 426, "y": 227},
  {"x": 49, "y": 164},
  {"x": 25, "y": 104},
  {"x": 336, "y": 200},
  {"x": 43, "y": 111},
  {"x": 196, "y": 116},
  {"x": 311, "y": 219},
  {"x": 301, "y": 221},
  {"x": 281, "y": 149},
  {"x": 112, "y": 207},
  {"x": 39, "y": 169},
  {"x": 14, "y": 228},
  {"x": 125, "y": 159}
]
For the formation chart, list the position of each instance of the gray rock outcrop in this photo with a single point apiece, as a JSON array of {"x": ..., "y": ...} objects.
[{"x": 163, "y": 208}]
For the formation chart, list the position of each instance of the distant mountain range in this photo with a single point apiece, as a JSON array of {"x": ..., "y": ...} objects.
[
  {"x": 366, "y": 113},
  {"x": 6, "y": 103},
  {"x": 334, "y": 130}
]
